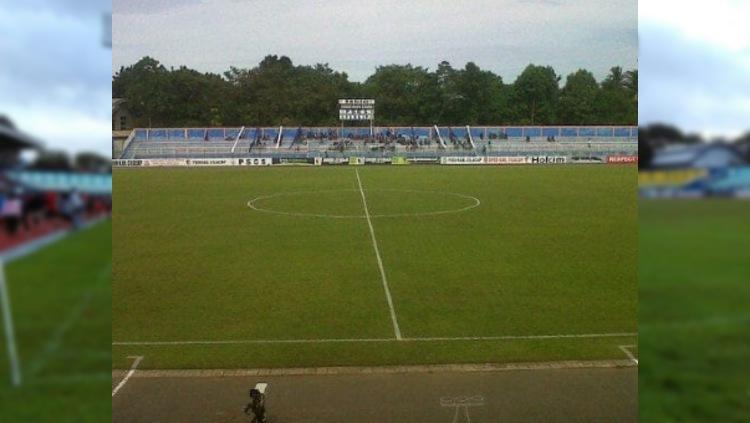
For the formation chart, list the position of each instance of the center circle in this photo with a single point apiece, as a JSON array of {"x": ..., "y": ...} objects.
[{"x": 380, "y": 203}]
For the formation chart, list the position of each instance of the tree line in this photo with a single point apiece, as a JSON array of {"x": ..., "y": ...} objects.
[{"x": 277, "y": 92}]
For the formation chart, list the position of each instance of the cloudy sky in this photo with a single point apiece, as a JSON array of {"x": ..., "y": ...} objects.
[
  {"x": 357, "y": 35},
  {"x": 55, "y": 79},
  {"x": 695, "y": 65}
]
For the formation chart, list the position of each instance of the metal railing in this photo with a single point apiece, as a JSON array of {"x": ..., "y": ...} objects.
[{"x": 186, "y": 149}]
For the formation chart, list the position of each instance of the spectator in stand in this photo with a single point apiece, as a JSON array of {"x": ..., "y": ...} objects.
[
  {"x": 72, "y": 208},
  {"x": 11, "y": 211},
  {"x": 34, "y": 210}
]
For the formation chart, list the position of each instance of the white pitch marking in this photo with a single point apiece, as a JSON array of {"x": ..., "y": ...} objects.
[
  {"x": 33, "y": 246},
  {"x": 380, "y": 262},
  {"x": 341, "y": 370},
  {"x": 15, "y": 364},
  {"x": 354, "y": 340},
  {"x": 251, "y": 204},
  {"x": 55, "y": 341},
  {"x": 627, "y": 352},
  {"x": 11, "y": 255},
  {"x": 128, "y": 375}
]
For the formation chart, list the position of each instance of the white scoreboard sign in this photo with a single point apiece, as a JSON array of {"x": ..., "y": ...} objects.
[{"x": 356, "y": 109}]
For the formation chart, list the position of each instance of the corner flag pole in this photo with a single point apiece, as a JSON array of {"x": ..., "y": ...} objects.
[{"x": 10, "y": 338}]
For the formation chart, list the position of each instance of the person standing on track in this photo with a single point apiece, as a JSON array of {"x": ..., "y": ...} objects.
[{"x": 257, "y": 406}]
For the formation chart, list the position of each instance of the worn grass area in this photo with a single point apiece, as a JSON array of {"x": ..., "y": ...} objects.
[
  {"x": 694, "y": 316},
  {"x": 549, "y": 251},
  {"x": 61, "y": 301}
]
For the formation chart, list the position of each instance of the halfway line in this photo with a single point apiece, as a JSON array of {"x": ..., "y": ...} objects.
[{"x": 380, "y": 262}]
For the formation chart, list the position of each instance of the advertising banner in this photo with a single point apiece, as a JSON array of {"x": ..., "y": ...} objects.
[
  {"x": 335, "y": 160},
  {"x": 424, "y": 160},
  {"x": 127, "y": 163},
  {"x": 211, "y": 162},
  {"x": 305, "y": 161},
  {"x": 586, "y": 160},
  {"x": 546, "y": 159},
  {"x": 670, "y": 178},
  {"x": 378, "y": 160},
  {"x": 622, "y": 159},
  {"x": 163, "y": 162},
  {"x": 399, "y": 160},
  {"x": 255, "y": 161},
  {"x": 505, "y": 160},
  {"x": 461, "y": 160},
  {"x": 356, "y": 161}
]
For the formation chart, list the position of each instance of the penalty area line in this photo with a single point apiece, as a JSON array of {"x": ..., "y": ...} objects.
[
  {"x": 128, "y": 375},
  {"x": 365, "y": 340},
  {"x": 388, "y": 297},
  {"x": 626, "y": 350}
]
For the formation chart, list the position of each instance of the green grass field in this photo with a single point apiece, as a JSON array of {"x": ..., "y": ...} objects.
[
  {"x": 61, "y": 302},
  {"x": 549, "y": 251},
  {"x": 694, "y": 320}
]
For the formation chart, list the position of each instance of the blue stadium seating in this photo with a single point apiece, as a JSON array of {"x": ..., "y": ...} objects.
[{"x": 207, "y": 142}]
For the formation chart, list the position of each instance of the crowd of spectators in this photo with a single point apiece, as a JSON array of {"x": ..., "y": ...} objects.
[
  {"x": 383, "y": 139},
  {"x": 27, "y": 214},
  {"x": 38, "y": 194}
]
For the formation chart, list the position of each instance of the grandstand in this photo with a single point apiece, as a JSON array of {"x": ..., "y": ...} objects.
[{"x": 409, "y": 142}]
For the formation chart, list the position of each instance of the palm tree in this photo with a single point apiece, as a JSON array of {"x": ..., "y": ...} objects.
[
  {"x": 631, "y": 82},
  {"x": 615, "y": 79}
]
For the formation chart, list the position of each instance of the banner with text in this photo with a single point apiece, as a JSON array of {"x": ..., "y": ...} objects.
[
  {"x": 356, "y": 161},
  {"x": 461, "y": 160},
  {"x": 505, "y": 160},
  {"x": 252, "y": 161},
  {"x": 502, "y": 160},
  {"x": 622, "y": 159}
]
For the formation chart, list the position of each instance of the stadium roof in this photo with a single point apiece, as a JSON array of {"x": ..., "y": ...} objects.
[
  {"x": 116, "y": 103},
  {"x": 12, "y": 138},
  {"x": 697, "y": 156}
]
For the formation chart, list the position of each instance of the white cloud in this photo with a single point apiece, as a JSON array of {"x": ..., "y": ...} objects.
[
  {"x": 718, "y": 22},
  {"x": 695, "y": 66},
  {"x": 357, "y": 35},
  {"x": 54, "y": 73},
  {"x": 62, "y": 128}
]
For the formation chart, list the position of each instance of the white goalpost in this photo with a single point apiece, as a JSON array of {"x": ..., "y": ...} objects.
[{"x": 10, "y": 337}]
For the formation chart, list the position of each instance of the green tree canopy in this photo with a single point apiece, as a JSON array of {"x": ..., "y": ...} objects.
[
  {"x": 278, "y": 92},
  {"x": 616, "y": 103},
  {"x": 576, "y": 106},
  {"x": 535, "y": 95}
]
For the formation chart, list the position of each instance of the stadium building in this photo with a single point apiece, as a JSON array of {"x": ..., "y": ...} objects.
[
  {"x": 699, "y": 156},
  {"x": 331, "y": 145},
  {"x": 13, "y": 142},
  {"x": 696, "y": 171}
]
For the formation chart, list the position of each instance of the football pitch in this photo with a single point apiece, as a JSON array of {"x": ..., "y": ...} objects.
[
  {"x": 694, "y": 317},
  {"x": 61, "y": 307},
  {"x": 337, "y": 266}
]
